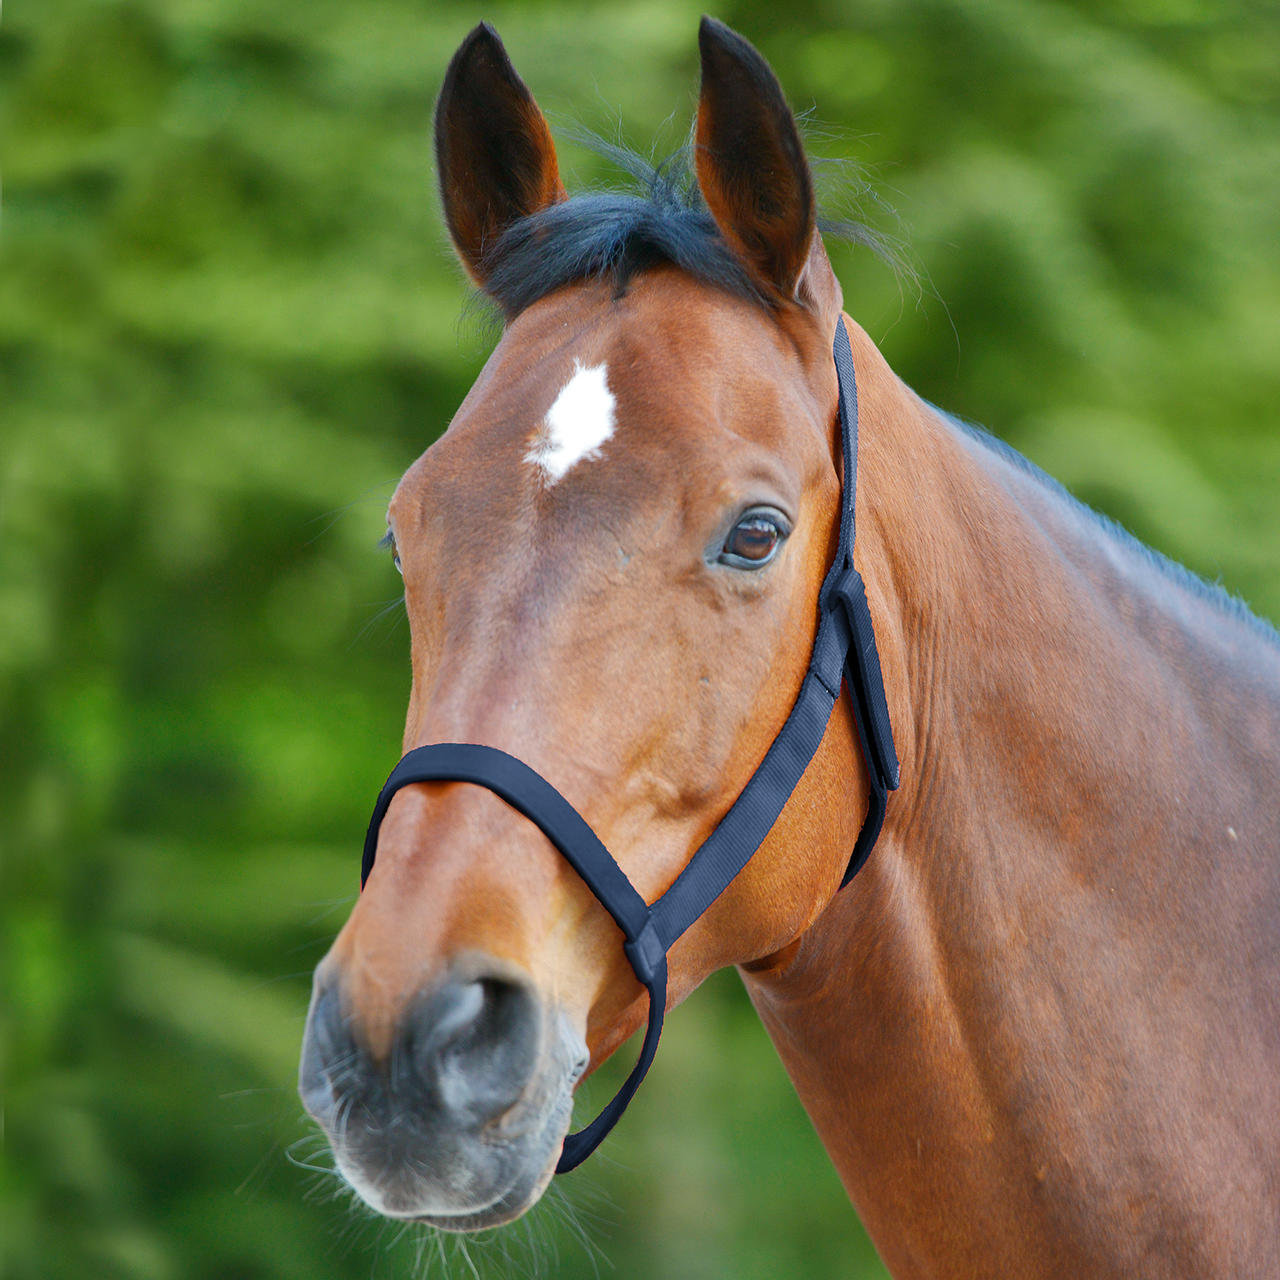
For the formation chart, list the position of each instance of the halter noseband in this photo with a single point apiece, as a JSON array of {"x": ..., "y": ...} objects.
[{"x": 844, "y": 648}]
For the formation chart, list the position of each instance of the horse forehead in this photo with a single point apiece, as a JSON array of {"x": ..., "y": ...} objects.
[
  {"x": 567, "y": 423},
  {"x": 633, "y": 399}
]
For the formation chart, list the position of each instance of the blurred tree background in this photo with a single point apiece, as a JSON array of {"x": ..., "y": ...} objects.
[{"x": 229, "y": 320}]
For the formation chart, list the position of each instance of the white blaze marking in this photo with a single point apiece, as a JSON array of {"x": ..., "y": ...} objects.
[{"x": 576, "y": 425}]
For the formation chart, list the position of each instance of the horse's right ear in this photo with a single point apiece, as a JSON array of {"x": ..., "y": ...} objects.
[{"x": 494, "y": 153}]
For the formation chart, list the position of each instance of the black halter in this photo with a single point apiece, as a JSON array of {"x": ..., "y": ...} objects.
[{"x": 844, "y": 647}]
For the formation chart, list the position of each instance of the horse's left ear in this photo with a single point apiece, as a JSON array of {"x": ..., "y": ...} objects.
[
  {"x": 751, "y": 164},
  {"x": 494, "y": 153}
]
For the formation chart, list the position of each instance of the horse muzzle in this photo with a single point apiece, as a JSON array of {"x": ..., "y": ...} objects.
[{"x": 460, "y": 1122}]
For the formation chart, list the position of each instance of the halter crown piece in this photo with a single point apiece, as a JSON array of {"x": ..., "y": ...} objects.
[{"x": 844, "y": 647}]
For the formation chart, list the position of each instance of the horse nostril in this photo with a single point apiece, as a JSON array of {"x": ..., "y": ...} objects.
[{"x": 477, "y": 1043}]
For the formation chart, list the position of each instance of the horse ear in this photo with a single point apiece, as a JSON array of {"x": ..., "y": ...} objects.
[
  {"x": 751, "y": 164},
  {"x": 494, "y": 153}
]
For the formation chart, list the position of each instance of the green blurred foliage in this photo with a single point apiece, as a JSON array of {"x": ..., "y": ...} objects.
[{"x": 228, "y": 321}]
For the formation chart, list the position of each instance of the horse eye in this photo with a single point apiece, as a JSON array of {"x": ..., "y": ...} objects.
[{"x": 753, "y": 541}]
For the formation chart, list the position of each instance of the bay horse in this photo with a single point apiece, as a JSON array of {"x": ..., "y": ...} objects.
[{"x": 1039, "y": 1033}]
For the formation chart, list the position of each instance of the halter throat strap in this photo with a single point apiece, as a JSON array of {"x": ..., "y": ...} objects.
[{"x": 844, "y": 649}]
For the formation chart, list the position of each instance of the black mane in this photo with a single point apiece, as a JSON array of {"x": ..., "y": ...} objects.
[{"x": 616, "y": 235}]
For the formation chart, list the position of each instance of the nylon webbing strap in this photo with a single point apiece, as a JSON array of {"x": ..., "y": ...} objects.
[
  {"x": 844, "y": 647},
  {"x": 866, "y": 681},
  {"x": 862, "y": 660}
]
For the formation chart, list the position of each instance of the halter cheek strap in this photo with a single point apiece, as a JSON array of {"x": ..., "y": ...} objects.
[{"x": 844, "y": 648}]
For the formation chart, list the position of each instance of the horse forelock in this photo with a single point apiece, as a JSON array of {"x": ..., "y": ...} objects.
[{"x": 617, "y": 235}]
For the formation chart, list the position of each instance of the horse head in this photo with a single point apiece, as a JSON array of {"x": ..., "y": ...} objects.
[{"x": 611, "y": 560}]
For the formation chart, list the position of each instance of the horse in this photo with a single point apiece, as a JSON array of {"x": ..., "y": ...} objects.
[{"x": 1039, "y": 1033}]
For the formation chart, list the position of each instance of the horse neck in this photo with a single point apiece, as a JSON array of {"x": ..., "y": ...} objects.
[{"x": 982, "y": 1026}]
